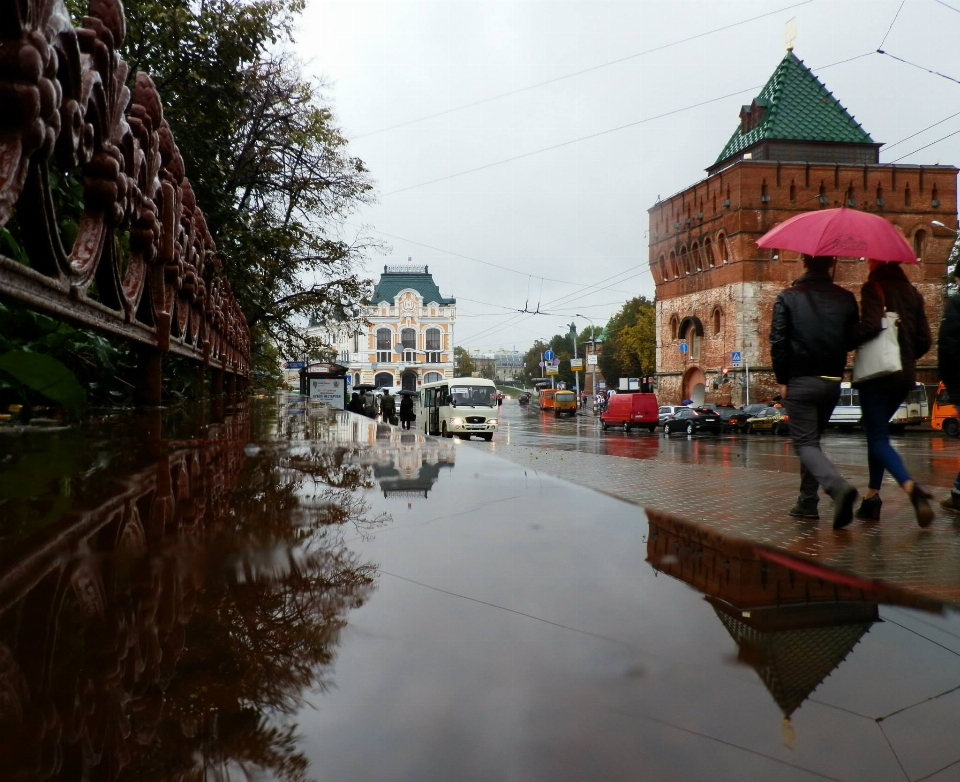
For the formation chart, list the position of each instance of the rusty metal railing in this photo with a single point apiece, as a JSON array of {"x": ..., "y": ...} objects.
[{"x": 63, "y": 97}]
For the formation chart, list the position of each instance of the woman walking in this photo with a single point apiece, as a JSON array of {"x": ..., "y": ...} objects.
[
  {"x": 888, "y": 289},
  {"x": 406, "y": 411}
]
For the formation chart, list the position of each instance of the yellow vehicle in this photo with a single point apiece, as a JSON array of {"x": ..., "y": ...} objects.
[
  {"x": 545, "y": 399},
  {"x": 944, "y": 416},
  {"x": 770, "y": 419},
  {"x": 564, "y": 403}
]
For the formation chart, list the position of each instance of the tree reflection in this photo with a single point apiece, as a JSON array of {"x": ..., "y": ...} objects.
[{"x": 170, "y": 628}]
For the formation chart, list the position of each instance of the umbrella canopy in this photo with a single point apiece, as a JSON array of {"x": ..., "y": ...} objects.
[
  {"x": 404, "y": 392},
  {"x": 848, "y": 233},
  {"x": 363, "y": 387}
]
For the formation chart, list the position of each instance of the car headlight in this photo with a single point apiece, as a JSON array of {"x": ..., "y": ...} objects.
[
  {"x": 492, "y": 421},
  {"x": 456, "y": 421}
]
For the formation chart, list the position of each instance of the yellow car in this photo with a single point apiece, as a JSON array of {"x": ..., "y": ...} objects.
[{"x": 770, "y": 419}]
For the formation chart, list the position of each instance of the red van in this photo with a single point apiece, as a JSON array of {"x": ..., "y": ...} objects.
[{"x": 631, "y": 410}]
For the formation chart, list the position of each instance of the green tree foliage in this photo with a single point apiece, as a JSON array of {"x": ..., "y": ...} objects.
[
  {"x": 630, "y": 347},
  {"x": 270, "y": 169},
  {"x": 462, "y": 362}
]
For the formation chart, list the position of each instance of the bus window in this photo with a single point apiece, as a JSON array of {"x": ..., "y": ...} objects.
[
  {"x": 943, "y": 398},
  {"x": 428, "y": 395}
]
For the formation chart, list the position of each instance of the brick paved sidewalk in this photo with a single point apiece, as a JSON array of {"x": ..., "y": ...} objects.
[{"x": 752, "y": 504}]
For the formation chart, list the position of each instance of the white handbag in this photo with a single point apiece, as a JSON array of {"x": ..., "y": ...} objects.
[{"x": 881, "y": 355}]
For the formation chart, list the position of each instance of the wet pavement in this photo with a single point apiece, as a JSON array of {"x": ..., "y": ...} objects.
[
  {"x": 281, "y": 592},
  {"x": 743, "y": 486}
]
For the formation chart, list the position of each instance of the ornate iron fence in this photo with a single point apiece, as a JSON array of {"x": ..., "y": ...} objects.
[{"x": 64, "y": 115}]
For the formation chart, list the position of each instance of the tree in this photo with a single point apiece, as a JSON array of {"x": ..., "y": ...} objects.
[
  {"x": 630, "y": 347},
  {"x": 462, "y": 363},
  {"x": 269, "y": 167}
]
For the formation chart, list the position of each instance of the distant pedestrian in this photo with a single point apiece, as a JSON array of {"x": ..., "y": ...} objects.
[
  {"x": 355, "y": 405},
  {"x": 888, "y": 289},
  {"x": 388, "y": 408},
  {"x": 406, "y": 411},
  {"x": 812, "y": 330},
  {"x": 369, "y": 404},
  {"x": 948, "y": 358}
]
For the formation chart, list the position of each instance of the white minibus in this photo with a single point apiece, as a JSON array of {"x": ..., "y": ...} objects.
[
  {"x": 912, "y": 412},
  {"x": 461, "y": 406}
]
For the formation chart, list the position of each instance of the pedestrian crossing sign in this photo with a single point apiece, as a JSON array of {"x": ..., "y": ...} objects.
[{"x": 736, "y": 359}]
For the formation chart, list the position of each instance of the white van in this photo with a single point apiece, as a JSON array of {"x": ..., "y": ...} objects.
[{"x": 461, "y": 406}]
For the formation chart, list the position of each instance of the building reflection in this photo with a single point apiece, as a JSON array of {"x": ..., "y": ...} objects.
[
  {"x": 408, "y": 464},
  {"x": 164, "y": 601},
  {"x": 793, "y": 622}
]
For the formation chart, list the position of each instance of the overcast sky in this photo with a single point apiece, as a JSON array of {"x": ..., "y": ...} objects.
[{"x": 572, "y": 217}]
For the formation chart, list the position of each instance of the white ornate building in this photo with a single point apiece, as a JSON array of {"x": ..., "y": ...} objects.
[{"x": 410, "y": 337}]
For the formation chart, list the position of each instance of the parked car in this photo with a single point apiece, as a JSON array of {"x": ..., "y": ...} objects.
[
  {"x": 631, "y": 411},
  {"x": 691, "y": 421},
  {"x": 667, "y": 412},
  {"x": 770, "y": 419}
]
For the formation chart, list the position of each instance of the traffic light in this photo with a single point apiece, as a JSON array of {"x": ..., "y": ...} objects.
[{"x": 726, "y": 376}]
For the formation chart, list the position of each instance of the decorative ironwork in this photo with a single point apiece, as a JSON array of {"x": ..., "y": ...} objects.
[{"x": 64, "y": 92}]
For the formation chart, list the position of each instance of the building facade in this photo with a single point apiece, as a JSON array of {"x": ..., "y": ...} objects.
[
  {"x": 797, "y": 149},
  {"x": 409, "y": 339}
]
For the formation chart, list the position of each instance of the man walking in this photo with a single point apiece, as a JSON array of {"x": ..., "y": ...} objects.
[
  {"x": 388, "y": 408},
  {"x": 948, "y": 357},
  {"x": 810, "y": 335}
]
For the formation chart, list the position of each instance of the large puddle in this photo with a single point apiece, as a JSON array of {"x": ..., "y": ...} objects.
[{"x": 277, "y": 591}]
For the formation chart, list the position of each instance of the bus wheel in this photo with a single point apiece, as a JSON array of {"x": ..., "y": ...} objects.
[
  {"x": 952, "y": 427},
  {"x": 488, "y": 436},
  {"x": 443, "y": 430}
]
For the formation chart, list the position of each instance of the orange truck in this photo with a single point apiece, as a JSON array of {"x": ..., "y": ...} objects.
[{"x": 944, "y": 416}]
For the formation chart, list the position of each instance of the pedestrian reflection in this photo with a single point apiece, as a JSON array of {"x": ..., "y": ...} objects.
[
  {"x": 160, "y": 621},
  {"x": 407, "y": 464},
  {"x": 792, "y": 622}
]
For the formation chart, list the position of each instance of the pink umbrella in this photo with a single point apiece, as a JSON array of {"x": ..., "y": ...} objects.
[{"x": 848, "y": 233}]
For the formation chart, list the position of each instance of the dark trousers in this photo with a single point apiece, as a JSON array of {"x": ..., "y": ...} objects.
[
  {"x": 878, "y": 405},
  {"x": 809, "y": 403}
]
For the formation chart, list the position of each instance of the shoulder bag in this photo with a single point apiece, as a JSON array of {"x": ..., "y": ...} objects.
[{"x": 879, "y": 356}]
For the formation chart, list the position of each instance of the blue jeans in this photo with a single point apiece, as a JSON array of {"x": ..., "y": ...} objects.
[{"x": 877, "y": 406}]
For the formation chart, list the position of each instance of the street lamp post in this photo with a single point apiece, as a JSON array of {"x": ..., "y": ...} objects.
[
  {"x": 576, "y": 375},
  {"x": 593, "y": 339}
]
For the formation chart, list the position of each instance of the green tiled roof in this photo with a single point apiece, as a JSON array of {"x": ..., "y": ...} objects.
[
  {"x": 797, "y": 107},
  {"x": 391, "y": 283}
]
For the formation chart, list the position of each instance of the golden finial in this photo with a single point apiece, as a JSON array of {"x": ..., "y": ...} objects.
[{"x": 790, "y": 33}]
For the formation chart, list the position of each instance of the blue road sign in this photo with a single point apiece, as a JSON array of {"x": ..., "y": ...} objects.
[
  {"x": 349, "y": 380},
  {"x": 548, "y": 355},
  {"x": 295, "y": 364},
  {"x": 736, "y": 359},
  {"x": 684, "y": 348}
]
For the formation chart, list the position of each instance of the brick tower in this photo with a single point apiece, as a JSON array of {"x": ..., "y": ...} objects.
[{"x": 796, "y": 149}]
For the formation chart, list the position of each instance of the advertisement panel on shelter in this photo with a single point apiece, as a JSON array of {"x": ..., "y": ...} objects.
[{"x": 327, "y": 390}]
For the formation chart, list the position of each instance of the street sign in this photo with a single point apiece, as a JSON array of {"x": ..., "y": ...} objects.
[
  {"x": 294, "y": 364},
  {"x": 576, "y": 364},
  {"x": 552, "y": 370},
  {"x": 540, "y": 364},
  {"x": 684, "y": 348},
  {"x": 592, "y": 360},
  {"x": 736, "y": 359},
  {"x": 556, "y": 362},
  {"x": 548, "y": 355},
  {"x": 349, "y": 380}
]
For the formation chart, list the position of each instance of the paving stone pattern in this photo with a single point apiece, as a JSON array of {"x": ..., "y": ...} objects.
[{"x": 752, "y": 504}]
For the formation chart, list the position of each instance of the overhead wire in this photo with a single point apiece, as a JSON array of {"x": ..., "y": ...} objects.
[
  {"x": 597, "y": 134},
  {"x": 579, "y": 73},
  {"x": 897, "y": 14}
]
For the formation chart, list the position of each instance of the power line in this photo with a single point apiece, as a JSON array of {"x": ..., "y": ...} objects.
[
  {"x": 598, "y": 134},
  {"x": 947, "y": 6},
  {"x": 580, "y": 73},
  {"x": 942, "y": 138},
  {"x": 919, "y": 67},
  {"x": 888, "y": 147},
  {"x": 891, "y": 24}
]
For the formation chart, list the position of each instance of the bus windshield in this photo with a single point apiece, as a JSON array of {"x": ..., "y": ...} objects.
[{"x": 473, "y": 396}]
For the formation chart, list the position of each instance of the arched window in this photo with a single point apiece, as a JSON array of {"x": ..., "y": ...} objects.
[
  {"x": 662, "y": 263},
  {"x": 674, "y": 272},
  {"x": 384, "y": 348},
  {"x": 722, "y": 244},
  {"x": 708, "y": 251},
  {"x": 356, "y": 378},
  {"x": 685, "y": 260},
  {"x": 793, "y": 191},
  {"x": 674, "y": 329},
  {"x": 383, "y": 380},
  {"x": 919, "y": 240},
  {"x": 432, "y": 377},
  {"x": 907, "y": 200},
  {"x": 697, "y": 259},
  {"x": 716, "y": 321},
  {"x": 693, "y": 341},
  {"x": 408, "y": 338},
  {"x": 433, "y": 346}
]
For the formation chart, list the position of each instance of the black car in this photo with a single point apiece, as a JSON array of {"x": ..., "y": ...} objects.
[{"x": 691, "y": 420}]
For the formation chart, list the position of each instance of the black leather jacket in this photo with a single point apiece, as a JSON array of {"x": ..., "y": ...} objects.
[{"x": 812, "y": 329}]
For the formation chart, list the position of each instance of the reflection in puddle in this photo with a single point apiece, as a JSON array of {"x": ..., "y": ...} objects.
[
  {"x": 166, "y": 600},
  {"x": 793, "y": 622}
]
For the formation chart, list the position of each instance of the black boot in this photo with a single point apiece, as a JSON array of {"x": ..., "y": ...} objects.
[
  {"x": 869, "y": 509},
  {"x": 805, "y": 509},
  {"x": 920, "y": 499}
]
